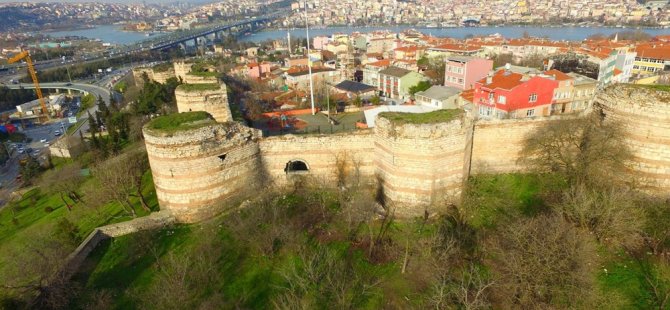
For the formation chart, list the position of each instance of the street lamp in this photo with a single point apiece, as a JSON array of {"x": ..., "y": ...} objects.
[{"x": 309, "y": 62}]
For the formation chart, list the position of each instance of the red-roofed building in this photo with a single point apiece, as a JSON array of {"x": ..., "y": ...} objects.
[
  {"x": 509, "y": 94},
  {"x": 651, "y": 59},
  {"x": 562, "y": 93},
  {"x": 371, "y": 71}
]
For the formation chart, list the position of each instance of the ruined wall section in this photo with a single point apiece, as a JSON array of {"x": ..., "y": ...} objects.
[
  {"x": 197, "y": 171},
  {"x": 321, "y": 154},
  {"x": 158, "y": 76},
  {"x": 645, "y": 116},
  {"x": 419, "y": 165},
  {"x": 214, "y": 102}
]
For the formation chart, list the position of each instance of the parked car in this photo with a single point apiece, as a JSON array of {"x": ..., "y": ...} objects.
[{"x": 43, "y": 140}]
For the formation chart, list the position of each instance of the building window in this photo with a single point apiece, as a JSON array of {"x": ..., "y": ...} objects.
[
  {"x": 530, "y": 113},
  {"x": 485, "y": 111},
  {"x": 502, "y": 99},
  {"x": 532, "y": 97},
  {"x": 490, "y": 96}
]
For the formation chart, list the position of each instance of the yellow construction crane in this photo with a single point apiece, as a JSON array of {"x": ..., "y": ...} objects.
[{"x": 31, "y": 69}]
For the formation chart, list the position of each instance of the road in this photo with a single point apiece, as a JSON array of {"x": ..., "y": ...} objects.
[{"x": 96, "y": 90}]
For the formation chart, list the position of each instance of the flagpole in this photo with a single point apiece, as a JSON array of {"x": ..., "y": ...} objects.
[{"x": 309, "y": 62}]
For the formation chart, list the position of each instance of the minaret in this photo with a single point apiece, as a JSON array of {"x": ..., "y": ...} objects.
[{"x": 288, "y": 36}]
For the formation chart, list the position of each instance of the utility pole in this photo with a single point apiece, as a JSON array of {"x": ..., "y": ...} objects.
[{"x": 309, "y": 62}]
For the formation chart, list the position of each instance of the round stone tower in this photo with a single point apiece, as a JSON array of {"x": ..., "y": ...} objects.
[
  {"x": 198, "y": 164},
  {"x": 644, "y": 114},
  {"x": 211, "y": 98},
  {"x": 420, "y": 158}
]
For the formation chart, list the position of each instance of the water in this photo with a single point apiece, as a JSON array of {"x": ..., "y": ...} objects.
[
  {"x": 106, "y": 33},
  {"x": 554, "y": 33},
  {"x": 114, "y": 34}
]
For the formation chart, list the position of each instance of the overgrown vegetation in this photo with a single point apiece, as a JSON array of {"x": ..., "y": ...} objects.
[
  {"x": 181, "y": 121},
  {"x": 199, "y": 87},
  {"x": 438, "y": 116}
]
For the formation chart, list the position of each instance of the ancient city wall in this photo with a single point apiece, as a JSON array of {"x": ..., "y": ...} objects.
[
  {"x": 320, "y": 153},
  {"x": 497, "y": 144},
  {"x": 160, "y": 77},
  {"x": 212, "y": 101},
  {"x": 195, "y": 171},
  {"x": 645, "y": 117},
  {"x": 420, "y": 164}
]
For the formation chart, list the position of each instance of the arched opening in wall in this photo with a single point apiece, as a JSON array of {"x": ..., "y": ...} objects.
[{"x": 296, "y": 167}]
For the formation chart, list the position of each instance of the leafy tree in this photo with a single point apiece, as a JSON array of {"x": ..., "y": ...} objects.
[
  {"x": 421, "y": 86},
  {"x": 30, "y": 170}
]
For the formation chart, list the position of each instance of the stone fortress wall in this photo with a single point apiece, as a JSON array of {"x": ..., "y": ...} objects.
[
  {"x": 213, "y": 101},
  {"x": 645, "y": 117},
  {"x": 420, "y": 164},
  {"x": 196, "y": 171}
]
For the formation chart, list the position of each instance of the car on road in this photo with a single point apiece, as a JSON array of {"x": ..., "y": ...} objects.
[
  {"x": 46, "y": 144},
  {"x": 68, "y": 84},
  {"x": 43, "y": 140},
  {"x": 21, "y": 150},
  {"x": 57, "y": 133}
]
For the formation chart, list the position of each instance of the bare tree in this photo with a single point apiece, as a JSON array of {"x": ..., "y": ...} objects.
[
  {"x": 63, "y": 181},
  {"x": 611, "y": 215},
  {"x": 541, "y": 263},
  {"x": 121, "y": 178},
  {"x": 585, "y": 150},
  {"x": 36, "y": 272}
]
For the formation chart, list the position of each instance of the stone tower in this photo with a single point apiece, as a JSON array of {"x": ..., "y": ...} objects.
[
  {"x": 419, "y": 164},
  {"x": 644, "y": 114},
  {"x": 198, "y": 166},
  {"x": 211, "y": 98}
]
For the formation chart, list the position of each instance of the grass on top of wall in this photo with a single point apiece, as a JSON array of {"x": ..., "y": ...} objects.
[
  {"x": 204, "y": 73},
  {"x": 162, "y": 67},
  {"x": 199, "y": 87},
  {"x": 654, "y": 87},
  {"x": 434, "y": 117},
  {"x": 181, "y": 121}
]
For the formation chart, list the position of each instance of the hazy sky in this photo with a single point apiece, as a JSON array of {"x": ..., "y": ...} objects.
[{"x": 116, "y": 1}]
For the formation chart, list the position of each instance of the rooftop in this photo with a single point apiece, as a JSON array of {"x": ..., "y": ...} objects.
[
  {"x": 439, "y": 92},
  {"x": 354, "y": 87},
  {"x": 395, "y": 71}
]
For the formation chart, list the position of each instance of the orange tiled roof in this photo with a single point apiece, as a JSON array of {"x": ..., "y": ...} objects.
[
  {"x": 504, "y": 80},
  {"x": 558, "y": 75},
  {"x": 381, "y": 63},
  {"x": 654, "y": 52}
]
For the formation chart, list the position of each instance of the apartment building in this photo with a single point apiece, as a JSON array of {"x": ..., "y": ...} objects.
[{"x": 463, "y": 71}]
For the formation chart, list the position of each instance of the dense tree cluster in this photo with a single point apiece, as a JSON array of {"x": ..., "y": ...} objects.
[{"x": 10, "y": 98}]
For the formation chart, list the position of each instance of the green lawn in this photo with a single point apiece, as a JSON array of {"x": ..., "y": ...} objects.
[{"x": 37, "y": 213}]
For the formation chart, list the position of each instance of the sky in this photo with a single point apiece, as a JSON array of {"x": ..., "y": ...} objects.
[{"x": 115, "y": 1}]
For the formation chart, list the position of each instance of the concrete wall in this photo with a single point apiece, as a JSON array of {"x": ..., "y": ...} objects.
[
  {"x": 214, "y": 102},
  {"x": 160, "y": 77},
  {"x": 420, "y": 164},
  {"x": 645, "y": 116},
  {"x": 196, "y": 170}
]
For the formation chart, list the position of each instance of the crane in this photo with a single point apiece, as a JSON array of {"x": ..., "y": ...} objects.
[{"x": 31, "y": 69}]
